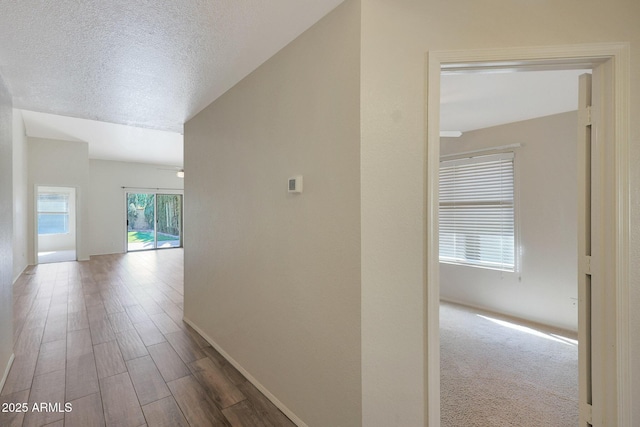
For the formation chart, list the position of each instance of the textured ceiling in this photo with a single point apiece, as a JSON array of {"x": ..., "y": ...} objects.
[
  {"x": 154, "y": 64},
  {"x": 147, "y": 63}
]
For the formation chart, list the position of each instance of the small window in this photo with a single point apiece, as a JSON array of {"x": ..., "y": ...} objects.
[
  {"x": 53, "y": 213},
  {"x": 477, "y": 212}
]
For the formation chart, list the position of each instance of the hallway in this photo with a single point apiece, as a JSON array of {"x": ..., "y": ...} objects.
[{"x": 106, "y": 338}]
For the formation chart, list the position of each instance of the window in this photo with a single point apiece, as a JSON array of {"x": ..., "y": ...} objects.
[
  {"x": 477, "y": 212},
  {"x": 53, "y": 213}
]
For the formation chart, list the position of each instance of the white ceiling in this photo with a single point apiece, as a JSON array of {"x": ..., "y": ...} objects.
[
  {"x": 151, "y": 64},
  {"x": 109, "y": 141},
  {"x": 479, "y": 100},
  {"x": 125, "y": 76},
  {"x": 146, "y": 64}
]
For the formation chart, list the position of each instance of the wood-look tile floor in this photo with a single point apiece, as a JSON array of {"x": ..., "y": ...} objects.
[{"x": 106, "y": 337}]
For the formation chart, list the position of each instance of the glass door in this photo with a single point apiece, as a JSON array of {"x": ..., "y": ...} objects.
[
  {"x": 154, "y": 221},
  {"x": 169, "y": 221},
  {"x": 141, "y": 220}
]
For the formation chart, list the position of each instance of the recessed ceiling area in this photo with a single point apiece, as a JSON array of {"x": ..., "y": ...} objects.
[
  {"x": 470, "y": 101},
  {"x": 109, "y": 141}
]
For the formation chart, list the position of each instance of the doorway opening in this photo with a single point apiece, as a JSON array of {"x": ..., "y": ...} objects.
[
  {"x": 603, "y": 372},
  {"x": 154, "y": 220},
  {"x": 56, "y": 224},
  {"x": 508, "y": 245}
]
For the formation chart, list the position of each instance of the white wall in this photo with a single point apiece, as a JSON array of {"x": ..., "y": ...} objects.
[
  {"x": 20, "y": 194},
  {"x": 99, "y": 193},
  {"x": 57, "y": 163},
  {"x": 544, "y": 289},
  {"x": 6, "y": 226},
  {"x": 396, "y": 35},
  {"x": 106, "y": 199},
  {"x": 274, "y": 278}
]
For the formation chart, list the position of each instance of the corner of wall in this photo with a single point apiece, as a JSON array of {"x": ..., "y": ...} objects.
[
  {"x": 20, "y": 194},
  {"x": 6, "y": 225}
]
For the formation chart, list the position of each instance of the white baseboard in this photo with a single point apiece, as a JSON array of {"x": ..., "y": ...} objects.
[
  {"x": 15, "y": 279},
  {"x": 293, "y": 417},
  {"x": 520, "y": 319},
  {"x": 6, "y": 371}
]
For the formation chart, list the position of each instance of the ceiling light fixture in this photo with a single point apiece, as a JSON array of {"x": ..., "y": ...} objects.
[{"x": 180, "y": 173}]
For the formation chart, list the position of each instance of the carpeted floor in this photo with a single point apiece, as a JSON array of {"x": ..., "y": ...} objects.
[{"x": 495, "y": 373}]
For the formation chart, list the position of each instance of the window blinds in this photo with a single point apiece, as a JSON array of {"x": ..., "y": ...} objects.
[
  {"x": 53, "y": 203},
  {"x": 477, "y": 212},
  {"x": 53, "y": 213}
]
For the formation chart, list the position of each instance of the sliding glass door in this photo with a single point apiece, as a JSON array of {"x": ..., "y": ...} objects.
[
  {"x": 154, "y": 220},
  {"x": 169, "y": 221}
]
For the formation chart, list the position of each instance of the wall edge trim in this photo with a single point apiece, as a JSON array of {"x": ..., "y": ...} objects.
[{"x": 290, "y": 414}]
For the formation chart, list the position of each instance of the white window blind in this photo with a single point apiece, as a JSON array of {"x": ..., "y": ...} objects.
[
  {"x": 477, "y": 212},
  {"x": 53, "y": 213}
]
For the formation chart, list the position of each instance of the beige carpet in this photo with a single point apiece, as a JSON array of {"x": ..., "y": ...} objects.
[{"x": 496, "y": 373}]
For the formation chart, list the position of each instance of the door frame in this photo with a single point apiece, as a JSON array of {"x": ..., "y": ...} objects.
[
  {"x": 614, "y": 315},
  {"x": 155, "y": 192}
]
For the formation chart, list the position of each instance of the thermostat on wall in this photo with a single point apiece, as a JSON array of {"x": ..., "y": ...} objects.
[{"x": 295, "y": 184}]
